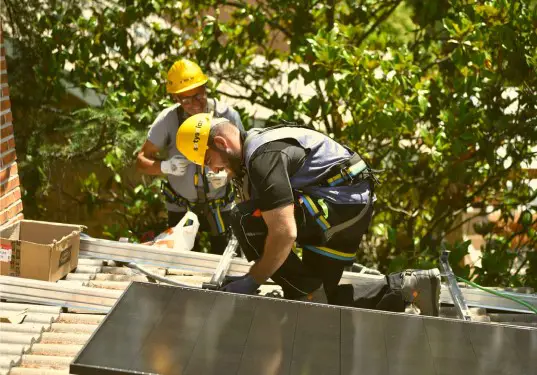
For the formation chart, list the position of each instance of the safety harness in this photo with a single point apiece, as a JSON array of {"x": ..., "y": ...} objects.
[
  {"x": 211, "y": 208},
  {"x": 350, "y": 172}
]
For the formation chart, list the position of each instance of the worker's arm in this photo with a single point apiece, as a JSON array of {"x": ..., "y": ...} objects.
[
  {"x": 270, "y": 172},
  {"x": 281, "y": 236},
  {"x": 147, "y": 161}
]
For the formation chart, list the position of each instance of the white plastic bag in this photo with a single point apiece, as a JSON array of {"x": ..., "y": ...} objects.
[
  {"x": 184, "y": 233},
  {"x": 182, "y": 236}
]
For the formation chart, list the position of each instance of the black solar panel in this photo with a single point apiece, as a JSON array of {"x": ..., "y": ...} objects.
[{"x": 156, "y": 329}]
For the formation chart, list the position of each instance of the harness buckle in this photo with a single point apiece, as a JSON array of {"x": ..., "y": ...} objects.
[
  {"x": 167, "y": 192},
  {"x": 347, "y": 177}
]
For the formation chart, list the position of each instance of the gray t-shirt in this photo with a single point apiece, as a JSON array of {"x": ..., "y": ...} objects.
[{"x": 162, "y": 134}]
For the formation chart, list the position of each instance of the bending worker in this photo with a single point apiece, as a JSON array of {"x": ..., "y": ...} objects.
[
  {"x": 189, "y": 186},
  {"x": 300, "y": 185}
]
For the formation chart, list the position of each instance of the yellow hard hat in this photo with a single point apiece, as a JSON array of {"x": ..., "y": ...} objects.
[
  {"x": 193, "y": 136},
  {"x": 184, "y": 75}
]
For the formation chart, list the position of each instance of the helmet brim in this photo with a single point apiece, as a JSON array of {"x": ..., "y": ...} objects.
[{"x": 189, "y": 87}]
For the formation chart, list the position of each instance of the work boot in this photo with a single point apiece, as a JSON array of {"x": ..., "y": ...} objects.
[
  {"x": 317, "y": 296},
  {"x": 422, "y": 289}
]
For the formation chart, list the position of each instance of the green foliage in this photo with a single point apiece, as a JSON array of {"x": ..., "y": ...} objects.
[{"x": 439, "y": 95}]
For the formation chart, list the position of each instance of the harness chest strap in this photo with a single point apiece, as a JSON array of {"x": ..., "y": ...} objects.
[{"x": 214, "y": 205}]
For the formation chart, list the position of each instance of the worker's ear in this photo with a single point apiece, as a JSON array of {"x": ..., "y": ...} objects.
[{"x": 220, "y": 143}]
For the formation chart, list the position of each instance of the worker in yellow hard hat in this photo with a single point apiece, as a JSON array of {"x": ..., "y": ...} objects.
[
  {"x": 188, "y": 186},
  {"x": 299, "y": 185}
]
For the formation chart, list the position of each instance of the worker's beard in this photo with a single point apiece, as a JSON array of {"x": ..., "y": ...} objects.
[{"x": 233, "y": 163}]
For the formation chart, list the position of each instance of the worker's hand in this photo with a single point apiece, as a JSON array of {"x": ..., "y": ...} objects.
[
  {"x": 217, "y": 180},
  {"x": 229, "y": 279},
  {"x": 244, "y": 285},
  {"x": 175, "y": 166}
]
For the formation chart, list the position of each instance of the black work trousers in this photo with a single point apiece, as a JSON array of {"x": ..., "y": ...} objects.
[
  {"x": 218, "y": 242},
  {"x": 300, "y": 277}
]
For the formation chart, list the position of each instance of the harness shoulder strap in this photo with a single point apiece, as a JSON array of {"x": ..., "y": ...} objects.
[
  {"x": 250, "y": 136},
  {"x": 256, "y": 131},
  {"x": 181, "y": 115}
]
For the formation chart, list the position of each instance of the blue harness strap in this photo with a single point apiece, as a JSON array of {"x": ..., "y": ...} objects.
[
  {"x": 347, "y": 174},
  {"x": 311, "y": 207}
]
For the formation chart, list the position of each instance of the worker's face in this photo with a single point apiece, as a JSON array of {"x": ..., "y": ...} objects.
[
  {"x": 220, "y": 157},
  {"x": 193, "y": 101}
]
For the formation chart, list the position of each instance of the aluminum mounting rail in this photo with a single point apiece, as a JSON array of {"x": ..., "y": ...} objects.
[
  {"x": 154, "y": 256},
  {"x": 223, "y": 266},
  {"x": 479, "y": 298},
  {"x": 208, "y": 263},
  {"x": 47, "y": 293},
  {"x": 456, "y": 295}
]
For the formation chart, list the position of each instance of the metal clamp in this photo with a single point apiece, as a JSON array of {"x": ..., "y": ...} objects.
[{"x": 456, "y": 294}]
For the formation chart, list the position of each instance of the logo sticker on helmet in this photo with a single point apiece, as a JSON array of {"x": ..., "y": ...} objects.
[{"x": 196, "y": 140}]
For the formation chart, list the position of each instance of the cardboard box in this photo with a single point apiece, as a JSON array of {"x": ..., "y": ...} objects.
[{"x": 39, "y": 250}]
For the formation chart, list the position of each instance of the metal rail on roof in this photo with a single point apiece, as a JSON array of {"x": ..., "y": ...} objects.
[
  {"x": 47, "y": 293},
  {"x": 154, "y": 256},
  {"x": 150, "y": 255},
  {"x": 456, "y": 295}
]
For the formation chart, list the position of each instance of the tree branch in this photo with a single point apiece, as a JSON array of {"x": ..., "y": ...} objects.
[
  {"x": 273, "y": 24},
  {"x": 377, "y": 23},
  {"x": 323, "y": 115},
  {"x": 330, "y": 15}
]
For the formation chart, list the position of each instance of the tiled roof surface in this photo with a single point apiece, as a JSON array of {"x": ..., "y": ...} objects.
[{"x": 50, "y": 337}]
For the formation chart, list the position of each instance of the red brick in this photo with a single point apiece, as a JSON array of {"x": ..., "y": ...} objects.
[
  {"x": 2, "y": 51},
  {"x": 6, "y": 132},
  {"x": 8, "y": 172},
  {"x": 7, "y": 199},
  {"x": 3, "y": 65},
  {"x": 5, "y": 104},
  {"x": 5, "y": 91},
  {"x": 16, "y": 209},
  {"x": 10, "y": 185},
  {"x": 3, "y": 78},
  {"x": 7, "y": 118},
  {"x": 19, "y": 217},
  {"x": 7, "y": 159},
  {"x": 7, "y": 145},
  {"x": 6, "y": 215}
]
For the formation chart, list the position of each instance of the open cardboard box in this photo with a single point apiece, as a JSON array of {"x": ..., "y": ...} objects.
[{"x": 39, "y": 250}]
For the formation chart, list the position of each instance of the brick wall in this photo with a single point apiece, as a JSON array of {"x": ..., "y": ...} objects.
[{"x": 10, "y": 193}]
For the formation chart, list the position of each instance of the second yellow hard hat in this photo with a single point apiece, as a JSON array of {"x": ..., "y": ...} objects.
[{"x": 184, "y": 75}]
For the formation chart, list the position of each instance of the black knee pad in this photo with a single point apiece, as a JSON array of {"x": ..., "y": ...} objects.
[{"x": 249, "y": 229}]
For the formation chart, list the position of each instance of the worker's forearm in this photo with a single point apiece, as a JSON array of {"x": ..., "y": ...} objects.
[
  {"x": 277, "y": 249},
  {"x": 148, "y": 166}
]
